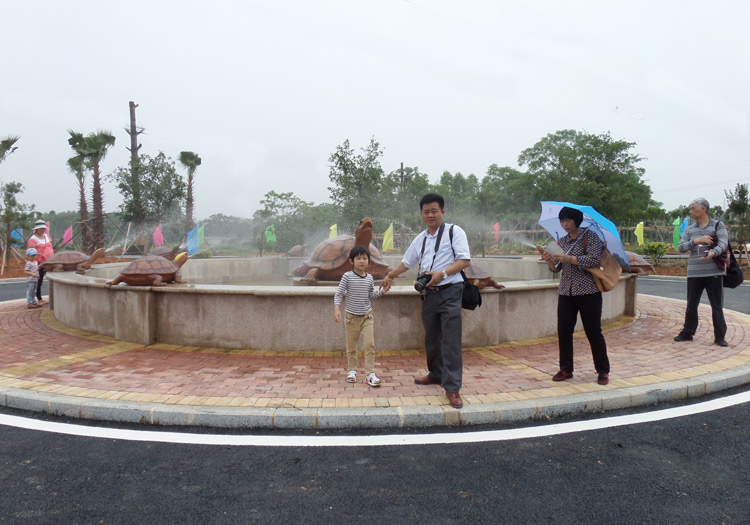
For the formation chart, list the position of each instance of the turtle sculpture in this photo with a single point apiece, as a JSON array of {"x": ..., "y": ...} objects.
[
  {"x": 166, "y": 252},
  {"x": 71, "y": 260},
  {"x": 330, "y": 259},
  {"x": 480, "y": 278},
  {"x": 151, "y": 270},
  {"x": 299, "y": 250},
  {"x": 639, "y": 264}
]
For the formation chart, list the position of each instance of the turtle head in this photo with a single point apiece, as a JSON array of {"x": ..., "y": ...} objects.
[
  {"x": 97, "y": 254},
  {"x": 363, "y": 232},
  {"x": 181, "y": 259}
]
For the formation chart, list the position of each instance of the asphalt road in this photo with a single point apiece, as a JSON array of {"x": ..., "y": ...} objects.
[{"x": 693, "y": 469}]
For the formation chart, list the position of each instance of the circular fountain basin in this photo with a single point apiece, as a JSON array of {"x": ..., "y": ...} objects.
[{"x": 213, "y": 310}]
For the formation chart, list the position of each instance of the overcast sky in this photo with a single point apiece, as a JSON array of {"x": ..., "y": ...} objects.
[{"x": 265, "y": 90}]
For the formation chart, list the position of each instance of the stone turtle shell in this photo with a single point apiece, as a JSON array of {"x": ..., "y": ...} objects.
[
  {"x": 149, "y": 264},
  {"x": 69, "y": 257},
  {"x": 332, "y": 253}
]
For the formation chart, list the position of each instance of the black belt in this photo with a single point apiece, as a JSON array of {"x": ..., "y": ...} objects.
[{"x": 440, "y": 288}]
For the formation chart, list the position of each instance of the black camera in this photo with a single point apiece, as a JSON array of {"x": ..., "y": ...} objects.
[{"x": 421, "y": 283}]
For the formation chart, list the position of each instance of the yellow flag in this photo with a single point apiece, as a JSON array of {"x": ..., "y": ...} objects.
[
  {"x": 639, "y": 233},
  {"x": 388, "y": 239},
  {"x": 333, "y": 232}
]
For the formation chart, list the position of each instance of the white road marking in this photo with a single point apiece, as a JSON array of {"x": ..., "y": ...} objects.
[{"x": 373, "y": 441}]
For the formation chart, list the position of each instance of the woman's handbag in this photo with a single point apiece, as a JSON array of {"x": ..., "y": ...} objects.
[
  {"x": 733, "y": 278},
  {"x": 607, "y": 274},
  {"x": 471, "y": 297}
]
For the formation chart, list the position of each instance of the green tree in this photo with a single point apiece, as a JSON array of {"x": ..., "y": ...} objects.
[
  {"x": 8, "y": 146},
  {"x": 505, "y": 192},
  {"x": 76, "y": 166},
  {"x": 357, "y": 181},
  {"x": 12, "y": 213},
  {"x": 400, "y": 200},
  {"x": 190, "y": 161},
  {"x": 92, "y": 149},
  {"x": 285, "y": 212},
  {"x": 162, "y": 190},
  {"x": 738, "y": 208},
  {"x": 589, "y": 169}
]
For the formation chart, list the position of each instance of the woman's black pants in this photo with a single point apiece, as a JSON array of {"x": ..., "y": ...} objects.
[{"x": 590, "y": 308}]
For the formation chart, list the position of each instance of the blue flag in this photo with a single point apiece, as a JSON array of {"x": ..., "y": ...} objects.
[
  {"x": 17, "y": 237},
  {"x": 192, "y": 241},
  {"x": 683, "y": 226}
]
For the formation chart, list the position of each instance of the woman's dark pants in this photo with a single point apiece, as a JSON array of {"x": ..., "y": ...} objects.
[
  {"x": 39, "y": 284},
  {"x": 590, "y": 308}
]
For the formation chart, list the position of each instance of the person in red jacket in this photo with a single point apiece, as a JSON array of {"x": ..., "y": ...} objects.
[{"x": 43, "y": 245}]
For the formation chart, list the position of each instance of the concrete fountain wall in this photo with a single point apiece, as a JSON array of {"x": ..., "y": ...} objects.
[{"x": 211, "y": 311}]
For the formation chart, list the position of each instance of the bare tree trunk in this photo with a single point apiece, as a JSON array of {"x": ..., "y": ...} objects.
[
  {"x": 189, "y": 224},
  {"x": 98, "y": 208},
  {"x": 83, "y": 212}
]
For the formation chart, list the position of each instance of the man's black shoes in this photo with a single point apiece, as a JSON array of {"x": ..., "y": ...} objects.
[{"x": 683, "y": 337}]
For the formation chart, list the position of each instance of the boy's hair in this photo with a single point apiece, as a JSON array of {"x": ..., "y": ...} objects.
[
  {"x": 571, "y": 213},
  {"x": 358, "y": 250},
  {"x": 430, "y": 198},
  {"x": 31, "y": 252}
]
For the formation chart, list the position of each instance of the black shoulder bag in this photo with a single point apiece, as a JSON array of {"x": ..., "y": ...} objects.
[
  {"x": 732, "y": 272},
  {"x": 471, "y": 298}
]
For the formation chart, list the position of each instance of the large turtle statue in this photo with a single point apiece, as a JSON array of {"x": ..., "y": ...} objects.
[
  {"x": 330, "y": 259},
  {"x": 166, "y": 252},
  {"x": 480, "y": 278},
  {"x": 299, "y": 250},
  {"x": 151, "y": 270},
  {"x": 71, "y": 260},
  {"x": 639, "y": 264}
]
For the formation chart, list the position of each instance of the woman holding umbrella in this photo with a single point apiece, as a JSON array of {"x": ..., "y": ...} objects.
[{"x": 578, "y": 293}]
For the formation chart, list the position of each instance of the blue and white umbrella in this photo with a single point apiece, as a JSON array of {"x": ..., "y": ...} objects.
[{"x": 592, "y": 219}]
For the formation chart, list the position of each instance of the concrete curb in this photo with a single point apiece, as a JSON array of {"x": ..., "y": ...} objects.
[{"x": 371, "y": 417}]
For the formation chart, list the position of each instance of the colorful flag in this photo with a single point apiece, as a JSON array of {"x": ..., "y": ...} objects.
[
  {"x": 68, "y": 236},
  {"x": 17, "y": 237},
  {"x": 200, "y": 233},
  {"x": 388, "y": 239},
  {"x": 270, "y": 235},
  {"x": 157, "y": 238},
  {"x": 676, "y": 233},
  {"x": 683, "y": 226},
  {"x": 496, "y": 227},
  {"x": 639, "y": 233},
  {"x": 333, "y": 232},
  {"x": 192, "y": 241}
]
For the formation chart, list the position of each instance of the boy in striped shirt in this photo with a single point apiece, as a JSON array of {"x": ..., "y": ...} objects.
[{"x": 357, "y": 285}]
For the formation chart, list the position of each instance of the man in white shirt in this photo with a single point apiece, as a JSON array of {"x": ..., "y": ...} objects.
[{"x": 441, "y": 252}]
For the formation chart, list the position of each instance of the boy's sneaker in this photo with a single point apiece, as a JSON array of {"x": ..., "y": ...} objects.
[
  {"x": 603, "y": 378},
  {"x": 351, "y": 377},
  {"x": 35, "y": 305},
  {"x": 373, "y": 380}
]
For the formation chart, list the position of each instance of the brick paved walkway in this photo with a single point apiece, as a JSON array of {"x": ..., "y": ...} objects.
[{"x": 39, "y": 354}]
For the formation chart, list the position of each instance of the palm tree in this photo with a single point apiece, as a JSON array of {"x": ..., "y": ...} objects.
[
  {"x": 7, "y": 146},
  {"x": 75, "y": 165},
  {"x": 191, "y": 161},
  {"x": 92, "y": 149}
]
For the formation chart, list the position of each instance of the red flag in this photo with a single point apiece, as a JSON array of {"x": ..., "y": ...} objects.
[
  {"x": 68, "y": 236},
  {"x": 157, "y": 237},
  {"x": 496, "y": 227}
]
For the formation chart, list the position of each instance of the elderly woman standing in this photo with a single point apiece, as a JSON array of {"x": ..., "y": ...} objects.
[
  {"x": 578, "y": 293},
  {"x": 43, "y": 245},
  {"x": 703, "y": 273}
]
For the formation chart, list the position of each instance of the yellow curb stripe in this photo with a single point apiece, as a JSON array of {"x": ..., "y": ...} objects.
[{"x": 66, "y": 360}]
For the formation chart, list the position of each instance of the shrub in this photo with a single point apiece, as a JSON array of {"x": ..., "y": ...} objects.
[{"x": 654, "y": 250}]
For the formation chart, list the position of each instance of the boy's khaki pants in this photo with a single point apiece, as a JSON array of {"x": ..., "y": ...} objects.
[{"x": 355, "y": 325}]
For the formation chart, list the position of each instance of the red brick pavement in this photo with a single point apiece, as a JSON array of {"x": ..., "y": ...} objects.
[{"x": 38, "y": 353}]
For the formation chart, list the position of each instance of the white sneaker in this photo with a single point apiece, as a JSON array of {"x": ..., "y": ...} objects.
[
  {"x": 373, "y": 380},
  {"x": 351, "y": 377}
]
